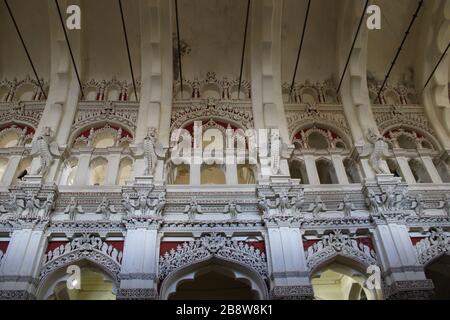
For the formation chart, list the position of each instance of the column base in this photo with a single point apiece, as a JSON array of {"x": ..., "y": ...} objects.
[
  {"x": 410, "y": 290},
  {"x": 16, "y": 295},
  {"x": 137, "y": 294},
  {"x": 292, "y": 293}
]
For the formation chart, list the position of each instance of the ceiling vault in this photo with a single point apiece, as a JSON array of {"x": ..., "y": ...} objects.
[
  {"x": 243, "y": 49},
  {"x": 437, "y": 65},
  {"x": 70, "y": 48},
  {"x": 125, "y": 34},
  {"x": 179, "y": 46},
  {"x": 413, "y": 19},
  {"x": 353, "y": 45},
  {"x": 25, "y": 48},
  {"x": 305, "y": 23}
]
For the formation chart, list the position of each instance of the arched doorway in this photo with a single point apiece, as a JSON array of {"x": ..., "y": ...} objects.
[
  {"x": 337, "y": 281},
  {"x": 214, "y": 279},
  {"x": 214, "y": 282},
  {"x": 439, "y": 272},
  {"x": 95, "y": 284}
]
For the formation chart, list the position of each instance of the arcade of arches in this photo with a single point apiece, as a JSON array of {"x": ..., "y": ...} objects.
[{"x": 108, "y": 173}]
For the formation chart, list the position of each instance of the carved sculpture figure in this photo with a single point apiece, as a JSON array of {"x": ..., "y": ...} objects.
[
  {"x": 126, "y": 203},
  {"x": 233, "y": 209},
  {"x": 373, "y": 202},
  {"x": 48, "y": 206},
  {"x": 73, "y": 209},
  {"x": 143, "y": 203},
  {"x": 446, "y": 204},
  {"x": 298, "y": 201},
  {"x": 419, "y": 206},
  {"x": 347, "y": 206},
  {"x": 192, "y": 209},
  {"x": 318, "y": 206},
  {"x": 159, "y": 205},
  {"x": 226, "y": 89},
  {"x": 264, "y": 205},
  {"x": 149, "y": 152},
  {"x": 45, "y": 149},
  {"x": 377, "y": 151},
  {"x": 32, "y": 205},
  {"x": 284, "y": 202},
  {"x": 17, "y": 205},
  {"x": 105, "y": 208},
  {"x": 195, "y": 89}
]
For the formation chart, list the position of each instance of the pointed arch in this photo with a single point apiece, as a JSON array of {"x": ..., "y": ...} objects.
[{"x": 236, "y": 271}]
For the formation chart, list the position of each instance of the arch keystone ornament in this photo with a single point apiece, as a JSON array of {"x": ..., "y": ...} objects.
[
  {"x": 87, "y": 247},
  {"x": 209, "y": 246},
  {"x": 337, "y": 244}
]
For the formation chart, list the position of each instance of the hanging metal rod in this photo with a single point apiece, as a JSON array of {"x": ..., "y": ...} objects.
[
  {"x": 305, "y": 23},
  {"x": 437, "y": 66},
  {"x": 353, "y": 45},
  {"x": 243, "y": 49},
  {"x": 179, "y": 46},
  {"x": 70, "y": 48},
  {"x": 128, "y": 48},
  {"x": 25, "y": 48},
  {"x": 414, "y": 17}
]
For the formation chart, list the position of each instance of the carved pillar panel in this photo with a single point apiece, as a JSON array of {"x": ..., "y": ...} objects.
[
  {"x": 403, "y": 275},
  {"x": 289, "y": 272},
  {"x": 140, "y": 261},
  {"x": 21, "y": 263}
]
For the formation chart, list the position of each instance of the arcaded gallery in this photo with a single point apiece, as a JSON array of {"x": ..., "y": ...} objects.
[{"x": 224, "y": 149}]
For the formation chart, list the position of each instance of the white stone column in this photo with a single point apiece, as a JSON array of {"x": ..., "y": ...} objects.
[
  {"x": 403, "y": 275},
  {"x": 140, "y": 262},
  {"x": 354, "y": 91},
  {"x": 311, "y": 170},
  {"x": 113, "y": 157},
  {"x": 155, "y": 107},
  {"x": 288, "y": 270},
  {"x": 265, "y": 48},
  {"x": 231, "y": 174},
  {"x": 83, "y": 170},
  {"x": 398, "y": 259},
  {"x": 431, "y": 168},
  {"x": 195, "y": 174},
  {"x": 11, "y": 169},
  {"x": 20, "y": 265},
  {"x": 339, "y": 169},
  {"x": 405, "y": 169},
  {"x": 63, "y": 95}
]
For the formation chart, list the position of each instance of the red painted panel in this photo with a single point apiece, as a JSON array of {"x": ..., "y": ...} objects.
[
  {"x": 416, "y": 239},
  {"x": 4, "y": 246}
]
